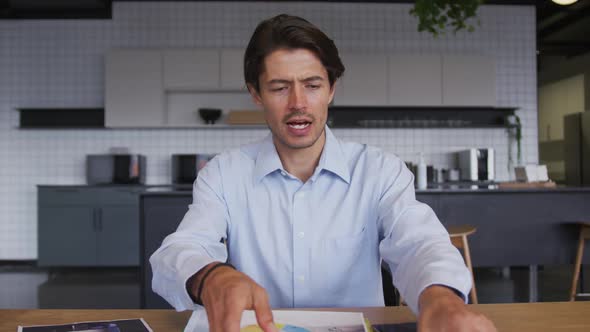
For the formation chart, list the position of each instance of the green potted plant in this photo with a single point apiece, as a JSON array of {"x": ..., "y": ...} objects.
[{"x": 435, "y": 16}]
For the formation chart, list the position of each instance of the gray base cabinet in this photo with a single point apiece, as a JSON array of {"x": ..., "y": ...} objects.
[
  {"x": 516, "y": 227},
  {"x": 66, "y": 236},
  {"x": 90, "y": 226}
]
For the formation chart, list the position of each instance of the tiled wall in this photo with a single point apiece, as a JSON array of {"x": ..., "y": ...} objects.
[{"x": 60, "y": 63}]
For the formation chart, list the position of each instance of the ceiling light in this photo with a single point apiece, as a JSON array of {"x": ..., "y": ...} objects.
[{"x": 564, "y": 2}]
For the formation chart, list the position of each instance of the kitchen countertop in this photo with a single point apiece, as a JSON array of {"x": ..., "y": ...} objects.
[
  {"x": 180, "y": 187},
  {"x": 447, "y": 190},
  {"x": 186, "y": 190}
]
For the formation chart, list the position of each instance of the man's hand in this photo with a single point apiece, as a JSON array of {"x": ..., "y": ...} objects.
[
  {"x": 442, "y": 310},
  {"x": 226, "y": 294}
]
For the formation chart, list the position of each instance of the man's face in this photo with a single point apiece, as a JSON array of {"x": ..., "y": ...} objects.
[{"x": 295, "y": 93}]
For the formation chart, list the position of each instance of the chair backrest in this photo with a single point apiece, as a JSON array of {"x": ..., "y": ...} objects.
[{"x": 457, "y": 232}]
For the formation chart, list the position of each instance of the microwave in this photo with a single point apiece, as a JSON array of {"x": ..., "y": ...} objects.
[
  {"x": 115, "y": 169},
  {"x": 476, "y": 164}
]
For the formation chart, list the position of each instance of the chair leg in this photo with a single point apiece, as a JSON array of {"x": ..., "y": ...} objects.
[
  {"x": 467, "y": 253},
  {"x": 577, "y": 265}
]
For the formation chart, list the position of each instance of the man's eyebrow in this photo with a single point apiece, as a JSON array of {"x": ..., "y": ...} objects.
[
  {"x": 279, "y": 81},
  {"x": 307, "y": 79},
  {"x": 312, "y": 78}
]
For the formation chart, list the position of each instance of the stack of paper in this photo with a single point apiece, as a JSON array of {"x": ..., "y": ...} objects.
[
  {"x": 309, "y": 321},
  {"x": 122, "y": 325}
]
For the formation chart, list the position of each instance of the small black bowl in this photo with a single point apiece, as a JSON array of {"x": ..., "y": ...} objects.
[{"x": 210, "y": 115}]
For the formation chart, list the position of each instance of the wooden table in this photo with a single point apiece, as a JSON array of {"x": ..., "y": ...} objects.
[{"x": 521, "y": 317}]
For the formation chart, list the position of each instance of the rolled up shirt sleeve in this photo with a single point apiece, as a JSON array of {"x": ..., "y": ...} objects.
[
  {"x": 196, "y": 243},
  {"x": 414, "y": 243}
]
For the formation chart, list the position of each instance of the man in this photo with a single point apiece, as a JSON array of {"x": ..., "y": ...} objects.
[{"x": 307, "y": 218}]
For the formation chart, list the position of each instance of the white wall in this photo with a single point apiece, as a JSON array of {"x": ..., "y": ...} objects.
[
  {"x": 59, "y": 63},
  {"x": 556, "y": 68},
  {"x": 556, "y": 100}
]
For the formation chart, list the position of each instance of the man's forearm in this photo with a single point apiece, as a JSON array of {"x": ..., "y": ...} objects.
[
  {"x": 438, "y": 295},
  {"x": 192, "y": 284},
  {"x": 441, "y": 309}
]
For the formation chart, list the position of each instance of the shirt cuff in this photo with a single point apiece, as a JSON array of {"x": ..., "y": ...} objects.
[
  {"x": 183, "y": 301},
  {"x": 460, "y": 289},
  {"x": 456, "y": 291},
  {"x": 458, "y": 281}
]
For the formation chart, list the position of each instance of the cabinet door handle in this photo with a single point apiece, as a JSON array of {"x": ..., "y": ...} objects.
[{"x": 99, "y": 219}]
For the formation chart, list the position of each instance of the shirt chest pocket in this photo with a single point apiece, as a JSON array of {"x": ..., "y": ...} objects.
[{"x": 338, "y": 262}]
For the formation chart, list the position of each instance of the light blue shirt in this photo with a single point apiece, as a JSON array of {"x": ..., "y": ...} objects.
[{"x": 313, "y": 244}]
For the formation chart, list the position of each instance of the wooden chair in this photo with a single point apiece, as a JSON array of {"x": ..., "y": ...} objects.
[
  {"x": 459, "y": 234},
  {"x": 584, "y": 236}
]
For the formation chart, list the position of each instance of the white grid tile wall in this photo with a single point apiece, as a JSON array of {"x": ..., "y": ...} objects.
[{"x": 60, "y": 63}]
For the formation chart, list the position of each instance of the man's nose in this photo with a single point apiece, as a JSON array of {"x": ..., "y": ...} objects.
[{"x": 297, "y": 98}]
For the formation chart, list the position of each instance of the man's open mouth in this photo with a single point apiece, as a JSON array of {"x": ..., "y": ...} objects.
[{"x": 298, "y": 124}]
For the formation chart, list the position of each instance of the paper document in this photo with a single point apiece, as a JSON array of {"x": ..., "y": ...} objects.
[
  {"x": 122, "y": 325},
  {"x": 308, "y": 321}
]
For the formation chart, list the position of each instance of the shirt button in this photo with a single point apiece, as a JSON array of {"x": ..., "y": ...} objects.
[
  {"x": 301, "y": 278},
  {"x": 301, "y": 234}
]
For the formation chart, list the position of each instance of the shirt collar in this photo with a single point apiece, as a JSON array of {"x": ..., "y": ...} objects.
[
  {"x": 332, "y": 159},
  {"x": 267, "y": 159}
]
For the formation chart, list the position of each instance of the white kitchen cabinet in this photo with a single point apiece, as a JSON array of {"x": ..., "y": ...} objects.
[
  {"x": 133, "y": 89},
  {"x": 163, "y": 88},
  {"x": 415, "y": 80},
  {"x": 191, "y": 69},
  {"x": 232, "y": 70},
  {"x": 468, "y": 80},
  {"x": 364, "y": 82}
]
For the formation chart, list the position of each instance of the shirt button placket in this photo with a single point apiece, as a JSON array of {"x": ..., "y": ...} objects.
[{"x": 300, "y": 249}]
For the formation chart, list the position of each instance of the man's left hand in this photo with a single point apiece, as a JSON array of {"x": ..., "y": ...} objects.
[{"x": 442, "y": 310}]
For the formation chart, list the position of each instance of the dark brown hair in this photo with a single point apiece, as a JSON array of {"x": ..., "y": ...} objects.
[{"x": 290, "y": 32}]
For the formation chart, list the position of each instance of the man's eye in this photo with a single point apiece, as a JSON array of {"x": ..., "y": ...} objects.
[
  {"x": 279, "y": 89},
  {"x": 313, "y": 86}
]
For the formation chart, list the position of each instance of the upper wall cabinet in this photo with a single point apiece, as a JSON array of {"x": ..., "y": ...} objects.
[
  {"x": 232, "y": 69},
  {"x": 191, "y": 69},
  {"x": 203, "y": 69},
  {"x": 468, "y": 80},
  {"x": 364, "y": 82},
  {"x": 134, "y": 96},
  {"x": 165, "y": 88},
  {"x": 414, "y": 80}
]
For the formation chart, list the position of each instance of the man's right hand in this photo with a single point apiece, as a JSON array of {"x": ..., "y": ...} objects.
[{"x": 227, "y": 293}]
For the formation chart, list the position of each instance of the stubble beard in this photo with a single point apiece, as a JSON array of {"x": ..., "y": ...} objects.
[{"x": 286, "y": 144}]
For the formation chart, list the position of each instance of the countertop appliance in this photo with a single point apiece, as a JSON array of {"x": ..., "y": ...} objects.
[
  {"x": 115, "y": 169},
  {"x": 477, "y": 164},
  {"x": 185, "y": 167},
  {"x": 576, "y": 131}
]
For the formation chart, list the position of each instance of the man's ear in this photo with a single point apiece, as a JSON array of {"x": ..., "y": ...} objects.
[{"x": 254, "y": 94}]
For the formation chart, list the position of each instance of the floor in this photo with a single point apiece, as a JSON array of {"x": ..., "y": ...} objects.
[{"x": 26, "y": 286}]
